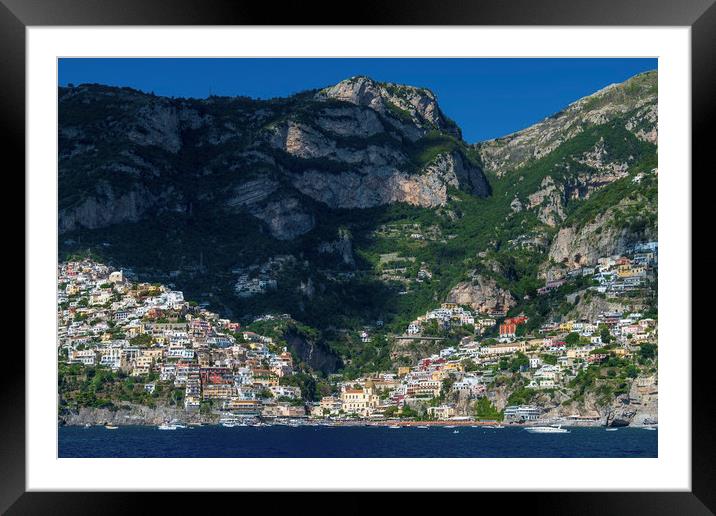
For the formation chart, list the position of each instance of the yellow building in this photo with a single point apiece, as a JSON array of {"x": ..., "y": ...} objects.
[
  {"x": 142, "y": 365},
  {"x": 243, "y": 407},
  {"x": 154, "y": 353},
  {"x": 454, "y": 366},
  {"x": 566, "y": 326},
  {"x": 360, "y": 401},
  {"x": 218, "y": 391}
]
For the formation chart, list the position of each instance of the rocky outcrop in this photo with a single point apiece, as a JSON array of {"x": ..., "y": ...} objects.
[
  {"x": 418, "y": 105},
  {"x": 341, "y": 247},
  {"x": 132, "y": 414},
  {"x": 589, "y": 307},
  {"x": 252, "y": 192},
  {"x": 109, "y": 207},
  {"x": 481, "y": 294},
  {"x": 286, "y": 218},
  {"x": 157, "y": 124},
  {"x": 378, "y": 185},
  {"x": 637, "y": 408},
  {"x": 548, "y": 200},
  {"x": 303, "y": 141},
  {"x": 577, "y": 247},
  {"x": 314, "y": 353},
  {"x": 362, "y": 123}
]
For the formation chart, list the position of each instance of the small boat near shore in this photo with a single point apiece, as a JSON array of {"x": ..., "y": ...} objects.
[
  {"x": 111, "y": 427},
  {"x": 547, "y": 430},
  {"x": 612, "y": 429},
  {"x": 449, "y": 426},
  {"x": 494, "y": 427},
  {"x": 171, "y": 425},
  {"x": 394, "y": 426},
  {"x": 422, "y": 426}
]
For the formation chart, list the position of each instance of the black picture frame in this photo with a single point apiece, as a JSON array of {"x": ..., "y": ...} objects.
[{"x": 700, "y": 15}]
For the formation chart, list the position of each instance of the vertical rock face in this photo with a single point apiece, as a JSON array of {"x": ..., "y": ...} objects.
[
  {"x": 342, "y": 247},
  {"x": 157, "y": 124},
  {"x": 374, "y": 186},
  {"x": 108, "y": 207},
  {"x": 313, "y": 353},
  {"x": 578, "y": 247},
  {"x": 286, "y": 219},
  {"x": 482, "y": 294},
  {"x": 639, "y": 407}
]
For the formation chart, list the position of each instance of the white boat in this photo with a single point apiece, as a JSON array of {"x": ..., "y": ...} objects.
[
  {"x": 456, "y": 431},
  {"x": 110, "y": 427},
  {"x": 449, "y": 426},
  {"x": 612, "y": 429},
  {"x": 229, "y": 421},
  {"x": 87, "y": 425},
  {"x": 422, "y": 426},
  {"x": 177, "y": 423},
  {"x": 649, "y": 427},
  {"x": 167, "y": 426},
  {"x": 547, "y": 430},
  {"x": 494, "y": 426},
  {"x": 394, "y": 426}
]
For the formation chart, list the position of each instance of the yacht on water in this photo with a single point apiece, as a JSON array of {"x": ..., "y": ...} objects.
[
  {"x": 230, "y": 421},
  {"x": 422, "y": 426},
  {"x": 110, "y": 427},
  {"x": 171, "y": 425},
  {"x": 547, "y": 430},
  {"x": 494, "y": 426},
  {"x": 612, "y": 429}
]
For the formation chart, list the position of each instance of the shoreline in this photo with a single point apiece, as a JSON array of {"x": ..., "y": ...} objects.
[{"x": 386, "y": 424}]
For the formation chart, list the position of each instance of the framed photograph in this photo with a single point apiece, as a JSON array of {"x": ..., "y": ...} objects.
[{"x": 419, "y": 252}]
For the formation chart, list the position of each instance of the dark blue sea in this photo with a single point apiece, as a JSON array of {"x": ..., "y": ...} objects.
[{"x": 352, "y": 442}]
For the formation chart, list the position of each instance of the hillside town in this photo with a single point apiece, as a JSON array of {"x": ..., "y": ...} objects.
[{"x": 170, "y": 350}]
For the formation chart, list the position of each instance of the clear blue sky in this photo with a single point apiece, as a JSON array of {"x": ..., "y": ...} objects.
[{"x": 486, "y": 97}]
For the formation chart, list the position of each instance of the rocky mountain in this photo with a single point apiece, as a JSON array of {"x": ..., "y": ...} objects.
[
  {"x": 363, "y": 192},
  {"x": 633, "y": 103},
  {"x": 127, "y": 155}
]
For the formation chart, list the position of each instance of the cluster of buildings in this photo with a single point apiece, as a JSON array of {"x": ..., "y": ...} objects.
[
  {"x": 152, "y": 333},
  {"x": 546, "y": 361},
  {"x": 259, "y": 279},
  {"x": 447, "y": 316}
]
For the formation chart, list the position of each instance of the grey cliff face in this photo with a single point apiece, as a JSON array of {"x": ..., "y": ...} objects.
[
  {"x": 577, "y": 247},
  {"x": 481, "y": 294},
  {"x": 286, "y": 219}
]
